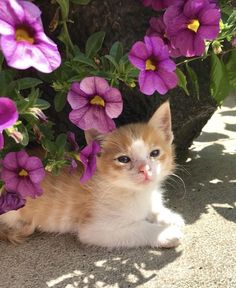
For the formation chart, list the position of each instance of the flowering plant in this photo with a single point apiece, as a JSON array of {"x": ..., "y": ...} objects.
[{"x": 86, "y": 81}]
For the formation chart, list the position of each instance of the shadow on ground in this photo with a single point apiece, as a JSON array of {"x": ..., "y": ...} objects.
[{"x": 81, "y": 266}]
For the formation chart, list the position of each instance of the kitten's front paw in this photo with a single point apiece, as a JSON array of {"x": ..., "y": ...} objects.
[
  {"x": 170, "y": 237},
  {"x": 170, "y": 218}
]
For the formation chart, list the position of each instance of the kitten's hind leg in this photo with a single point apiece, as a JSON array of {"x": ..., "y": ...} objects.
[{"x": 13, "y": 228}]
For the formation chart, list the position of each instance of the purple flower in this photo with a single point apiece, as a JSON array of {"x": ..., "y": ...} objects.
[
  {"x": 234, "y": 41},
  {"x": 71, "y": 139},
  {"x": 10, "y": 201},
  {"x": 158, "y": 28},
  {"x": 88, "y": 159},
  {"x": 190, "y": 23},
  {"x": 8, "y": 116},
  {"x": 159, "y": 4},
  {"x": 23, "y": 41},
  {"x": 22, "y": 174},
  {"x": 94, "y": 104},
  {"x": 152, "y": 58}
]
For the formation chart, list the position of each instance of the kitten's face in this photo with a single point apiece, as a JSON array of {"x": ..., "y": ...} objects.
[{"x": 135, "y": 156}]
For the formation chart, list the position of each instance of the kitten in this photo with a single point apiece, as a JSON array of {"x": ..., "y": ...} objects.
[{"x": 121, "y": 205}]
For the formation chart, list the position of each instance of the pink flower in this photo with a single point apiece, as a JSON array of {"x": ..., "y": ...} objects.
[
  {"x": 8, "y": 116},
  {"x": 22, "y": 174},
  {"x": 94, "y": 104},
  {"x": 88, "y": 159},
  {"x": 23, "y": 41},
  {"x": 151, "y": 57}
]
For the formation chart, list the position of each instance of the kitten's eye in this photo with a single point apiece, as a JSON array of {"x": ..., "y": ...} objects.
[
  {"x": 124, "y": 159},
  {"x": 155, "y": 153}
]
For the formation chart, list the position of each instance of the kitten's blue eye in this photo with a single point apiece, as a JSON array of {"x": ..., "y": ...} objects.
[
  {"x": 155, "y": 153},
  {"x": 124, "y": 159}
]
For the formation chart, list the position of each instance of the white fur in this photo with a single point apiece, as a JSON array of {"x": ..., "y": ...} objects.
[{"x": 129, "y": 223}]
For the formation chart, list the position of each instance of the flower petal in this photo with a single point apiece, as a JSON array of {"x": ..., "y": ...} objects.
[
  {"x": 114, "y": 103},
  {"x": 11, "y": 201},
  {"x": 88, "y": 86},
  {"x": 8, "y": 113},
  {"x": 12, "y": 184},
  {"x": 101, "y": 85},
  {"x": 146, "y": 81},
  {"x": 1, "y": 141},
  {"x": 22, "y": 157},
  {"x": 37, "y": 175},
  {"x": 10, "y": 161},
  {"x": 76, "y": 97},
  {"x": 193, "y": 7},
  {"x": 154, "y": 45},
  {"x": 138, "y": 55},
  {"x": 210, "y": 17},
  {"x": 169, "y": 78},
  {"x": 27, "y": 188},
  {"x": 167, "y": 65}
]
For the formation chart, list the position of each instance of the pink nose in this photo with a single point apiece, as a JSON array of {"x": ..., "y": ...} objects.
[{"x": 146, "y": 171}]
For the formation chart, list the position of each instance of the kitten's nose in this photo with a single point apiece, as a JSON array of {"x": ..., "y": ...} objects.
[{"x": 146, "y": 171}]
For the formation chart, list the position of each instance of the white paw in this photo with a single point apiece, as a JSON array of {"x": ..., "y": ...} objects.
[
  {"x": 171, "y": 218},
  {"x": 170, "y": 237}
]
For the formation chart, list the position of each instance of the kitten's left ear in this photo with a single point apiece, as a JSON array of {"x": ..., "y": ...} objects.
[
  {"x": 161, "y": 120},
  {"x": 93, "y": 134}
]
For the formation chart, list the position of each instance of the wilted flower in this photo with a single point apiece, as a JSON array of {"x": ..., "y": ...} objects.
[
  {"x": 10, "y": 201},
  {"x": 152, "y": 58},
  {"x": 190, "y": 23},
  {"x": 94, "y": 104},
  {"x": 8, "y": 116},
  {"x": 88, "y": 159},
  {"x": 22, "y": 174},
  {"x": 23, "y": 41},
  {"x": 234, "y": 41},
  {"x": 158, "y": 28},
  {"x": 159, "y": 4}
]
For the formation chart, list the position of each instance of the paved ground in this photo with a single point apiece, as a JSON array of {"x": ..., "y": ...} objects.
[{"x": 207, "y": 257}]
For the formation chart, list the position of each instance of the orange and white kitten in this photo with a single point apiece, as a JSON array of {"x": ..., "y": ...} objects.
[{"x": 121, "y": 205}]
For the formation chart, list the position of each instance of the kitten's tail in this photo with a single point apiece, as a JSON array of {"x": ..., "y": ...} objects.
[{"x": 15, "y": 236}]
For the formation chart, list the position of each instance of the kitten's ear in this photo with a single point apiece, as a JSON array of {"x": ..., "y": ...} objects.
[
  {"x": 93, "y": 134},
  {"x": 161, "y": 120}
]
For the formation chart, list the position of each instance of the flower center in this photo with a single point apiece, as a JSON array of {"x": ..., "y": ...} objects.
[
  {"x": 24, "y": 33},
  {"x": 150, "y": 65},
  {"x": 97, "y": 100},
  {"x": 23, "y": 173},
  {"x": 194, "y": 25}
]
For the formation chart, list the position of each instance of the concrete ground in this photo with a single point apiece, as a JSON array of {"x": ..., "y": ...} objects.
[{"x": 206, "y": 258}]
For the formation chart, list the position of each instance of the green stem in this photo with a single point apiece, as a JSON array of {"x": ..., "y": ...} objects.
[{"x": 70, "y": 44}]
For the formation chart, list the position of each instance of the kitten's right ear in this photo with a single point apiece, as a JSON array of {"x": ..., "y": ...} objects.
[
  {"x": 93, "y": 134},
  {"x": 161, "y": 120}
]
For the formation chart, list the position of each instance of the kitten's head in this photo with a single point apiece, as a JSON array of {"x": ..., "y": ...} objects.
[{"x": 137, "y": 156}]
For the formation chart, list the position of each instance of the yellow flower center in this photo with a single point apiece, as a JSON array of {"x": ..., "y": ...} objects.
[
  {"x": 22, "y": 34},
  {"x": 77, "y": 157},
  {"x": 97, "y": 100},
  {"x": 194, "y": 25},
  {"x": 23, "y": 173},
  {"x": 150, "y": 65}
]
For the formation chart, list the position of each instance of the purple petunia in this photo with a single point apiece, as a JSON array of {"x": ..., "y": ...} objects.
[
  {"x": 88, "y": 159},
  {"x": 23, "y": 41},
  {"x": 152, "y": 58},
  {"x": 159, "y": 4},
  {"x": 94, "y": 104},
  {"x": 8, "y": 116},
  {"x": 22, "y": 174},
  {"x": 11, "y": 201},
  {"x": 158, "y": 28},
  {"x": 190, "y": 23}
]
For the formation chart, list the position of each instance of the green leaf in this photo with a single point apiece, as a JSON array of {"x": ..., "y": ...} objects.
[
  {"x": 182, "y": 81},
  {"x": 42, "y": 104},
  {"x": 24, "y": 133},
  {"x": 94, "y": 43},
  {"x": 61, "y": 140},
  {"x": 26, "y": 83},
  {"x": 230, "y": 67},
  {"x": 80, "y": 57},
  {"x": 116, "y": 51},
  {"x": 65, "y": 6},
  {"x": 194, "y": 80},
  {"x": 113, "y": 61},
  {"x": 81, "y": 2},
  {"x": 219, "y": 85},
  {"x": 5, "y": 80},
  {"x": 60, "y": 101}
]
